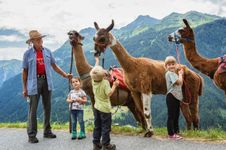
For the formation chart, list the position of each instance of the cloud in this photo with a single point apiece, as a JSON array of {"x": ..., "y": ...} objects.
[
  {"x": 111, "y": 6},
  {"x": 11, "y": 38},
  {"x": 56, "y": 18},
  {"x": 215, "y": 1},
  {"x": 220, "y": 8}
]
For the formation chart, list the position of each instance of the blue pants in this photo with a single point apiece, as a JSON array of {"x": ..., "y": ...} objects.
[
  {"x": 102, "y": 127},
  {"x": 77, "y": 115}
]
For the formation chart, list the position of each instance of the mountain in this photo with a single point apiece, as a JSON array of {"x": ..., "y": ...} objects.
[
  {"x": 194, "y": 17},
  {"x": 8, "y": 69},
  {"x": 10, "y": 38},
  {"x": 88, "y": 33},
  {"x": 140, "y": 24},
  {"x": 215, "y": 43},
  {"x": 141, "y": 21},
  {"x": 11, "y": 102},
  {"x": 151, "y": 43}
]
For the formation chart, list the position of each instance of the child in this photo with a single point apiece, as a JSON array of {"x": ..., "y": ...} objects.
[
  {"x": 174, "y": 96},
  {"x": 102, "y": 109},
  {"x": 76, "y": 99}
]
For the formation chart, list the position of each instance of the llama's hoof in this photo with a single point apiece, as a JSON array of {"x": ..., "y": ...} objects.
[
  {"x": 196, "y": 128},
  {"x": 149, "y": 134},
  {"x": 189, "y": 128}
]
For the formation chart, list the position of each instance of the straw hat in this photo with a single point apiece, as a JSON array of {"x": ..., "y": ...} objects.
[
  {"x": 34, "y": 34},
  {"x": 97, "y": 73}
]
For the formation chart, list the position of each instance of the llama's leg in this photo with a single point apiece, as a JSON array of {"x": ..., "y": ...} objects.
[
  {"x": 194, "y": 108},
  {"x": 225, "y": 95},
  {"x": 146, "y": 99},
  {"x": 92, "y": 101},
  {"x": 187, "y": 114},
  {"x": 139, "y": 108},
  {"x": 132, "y": 108}
]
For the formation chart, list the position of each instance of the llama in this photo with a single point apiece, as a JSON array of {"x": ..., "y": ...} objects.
[
  {"x": 145, "y": 77},
  {"x": 210, "y": 67},
  {"x": 119, "y": 97}
]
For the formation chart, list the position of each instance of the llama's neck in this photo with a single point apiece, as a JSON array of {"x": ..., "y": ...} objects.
[
  {"x": 205, "y": 65},
  {"x": 125, "y": 60},
  {"x": 80, "y": 60}
]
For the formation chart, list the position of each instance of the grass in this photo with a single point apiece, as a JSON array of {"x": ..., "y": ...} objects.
[
  {"x": 197, "y": 135},
  {"x": 210, "y": 134},
  {"x": 13, "y": 125}
]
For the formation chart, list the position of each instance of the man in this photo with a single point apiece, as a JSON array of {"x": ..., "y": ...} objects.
[{"x": 37, "y": 81}]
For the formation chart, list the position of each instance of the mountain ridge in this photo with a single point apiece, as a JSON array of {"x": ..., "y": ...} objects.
[{"x": 8, "y": 69}]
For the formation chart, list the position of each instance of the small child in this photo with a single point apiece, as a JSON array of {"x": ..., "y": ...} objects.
[
  {"x": 102, "y": 109},
  {"x": 174, "y": 96},
  {"x": 76, "y": 99}
]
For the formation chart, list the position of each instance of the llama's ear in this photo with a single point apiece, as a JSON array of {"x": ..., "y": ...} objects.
[
  {"x": 81, "y": 37},
  {"x": 109, "y": 28},
  {"x": 96, "y": 26},
  {"x": 186, "y": 23}
]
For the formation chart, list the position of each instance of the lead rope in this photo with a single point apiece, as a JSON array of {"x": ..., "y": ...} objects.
[
  {"x": 186, "y": 90},
  {"x": 103, "y": 60},
  {"x": 177, "y": 51},
  {"x": 69, "y": 88}
]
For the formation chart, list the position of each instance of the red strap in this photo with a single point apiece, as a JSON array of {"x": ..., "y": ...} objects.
[
  {"x": 186, "y": 91},
  {"x": 178, "y": 55}
]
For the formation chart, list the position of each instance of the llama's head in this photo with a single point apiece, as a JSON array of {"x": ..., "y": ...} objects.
[
  {"x": 102, "y": 38},
  {"x": 75, "y": 38},
  {"x": 182, "y": 35}
]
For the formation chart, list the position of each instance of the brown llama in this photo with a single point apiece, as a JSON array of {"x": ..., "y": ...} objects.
[
  {"x": 209, "y": 67},
  {"x": 145, "y": 77},
  {"x": 120, "y": 97}
]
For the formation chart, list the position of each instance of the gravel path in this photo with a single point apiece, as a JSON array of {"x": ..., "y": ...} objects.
[{"x": 16, "y": 139}]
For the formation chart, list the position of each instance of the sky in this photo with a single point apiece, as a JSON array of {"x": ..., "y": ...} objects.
[{"x": 56, "y": 17}]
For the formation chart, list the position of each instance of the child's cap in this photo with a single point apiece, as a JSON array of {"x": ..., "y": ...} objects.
[
  {"x": 170, "y": 59},
  {"x": 97, "y": 73}
]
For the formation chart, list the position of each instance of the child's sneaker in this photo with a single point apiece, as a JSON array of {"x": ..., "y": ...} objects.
[
  {"x": 174, "y": 137},
  {"x": 81, "y": 135},
  {"x": 178, "y": 136},
  {"x": 73, "y": 135}
]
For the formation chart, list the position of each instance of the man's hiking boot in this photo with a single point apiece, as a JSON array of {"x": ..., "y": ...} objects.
[
  {"x": 33, "y": 140},
  {"x": 97, "y": 146},
  {"x": 109, "y": 147},
  {"x": 49, "y": 135},
  {"x": 74, "y": 135}
]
